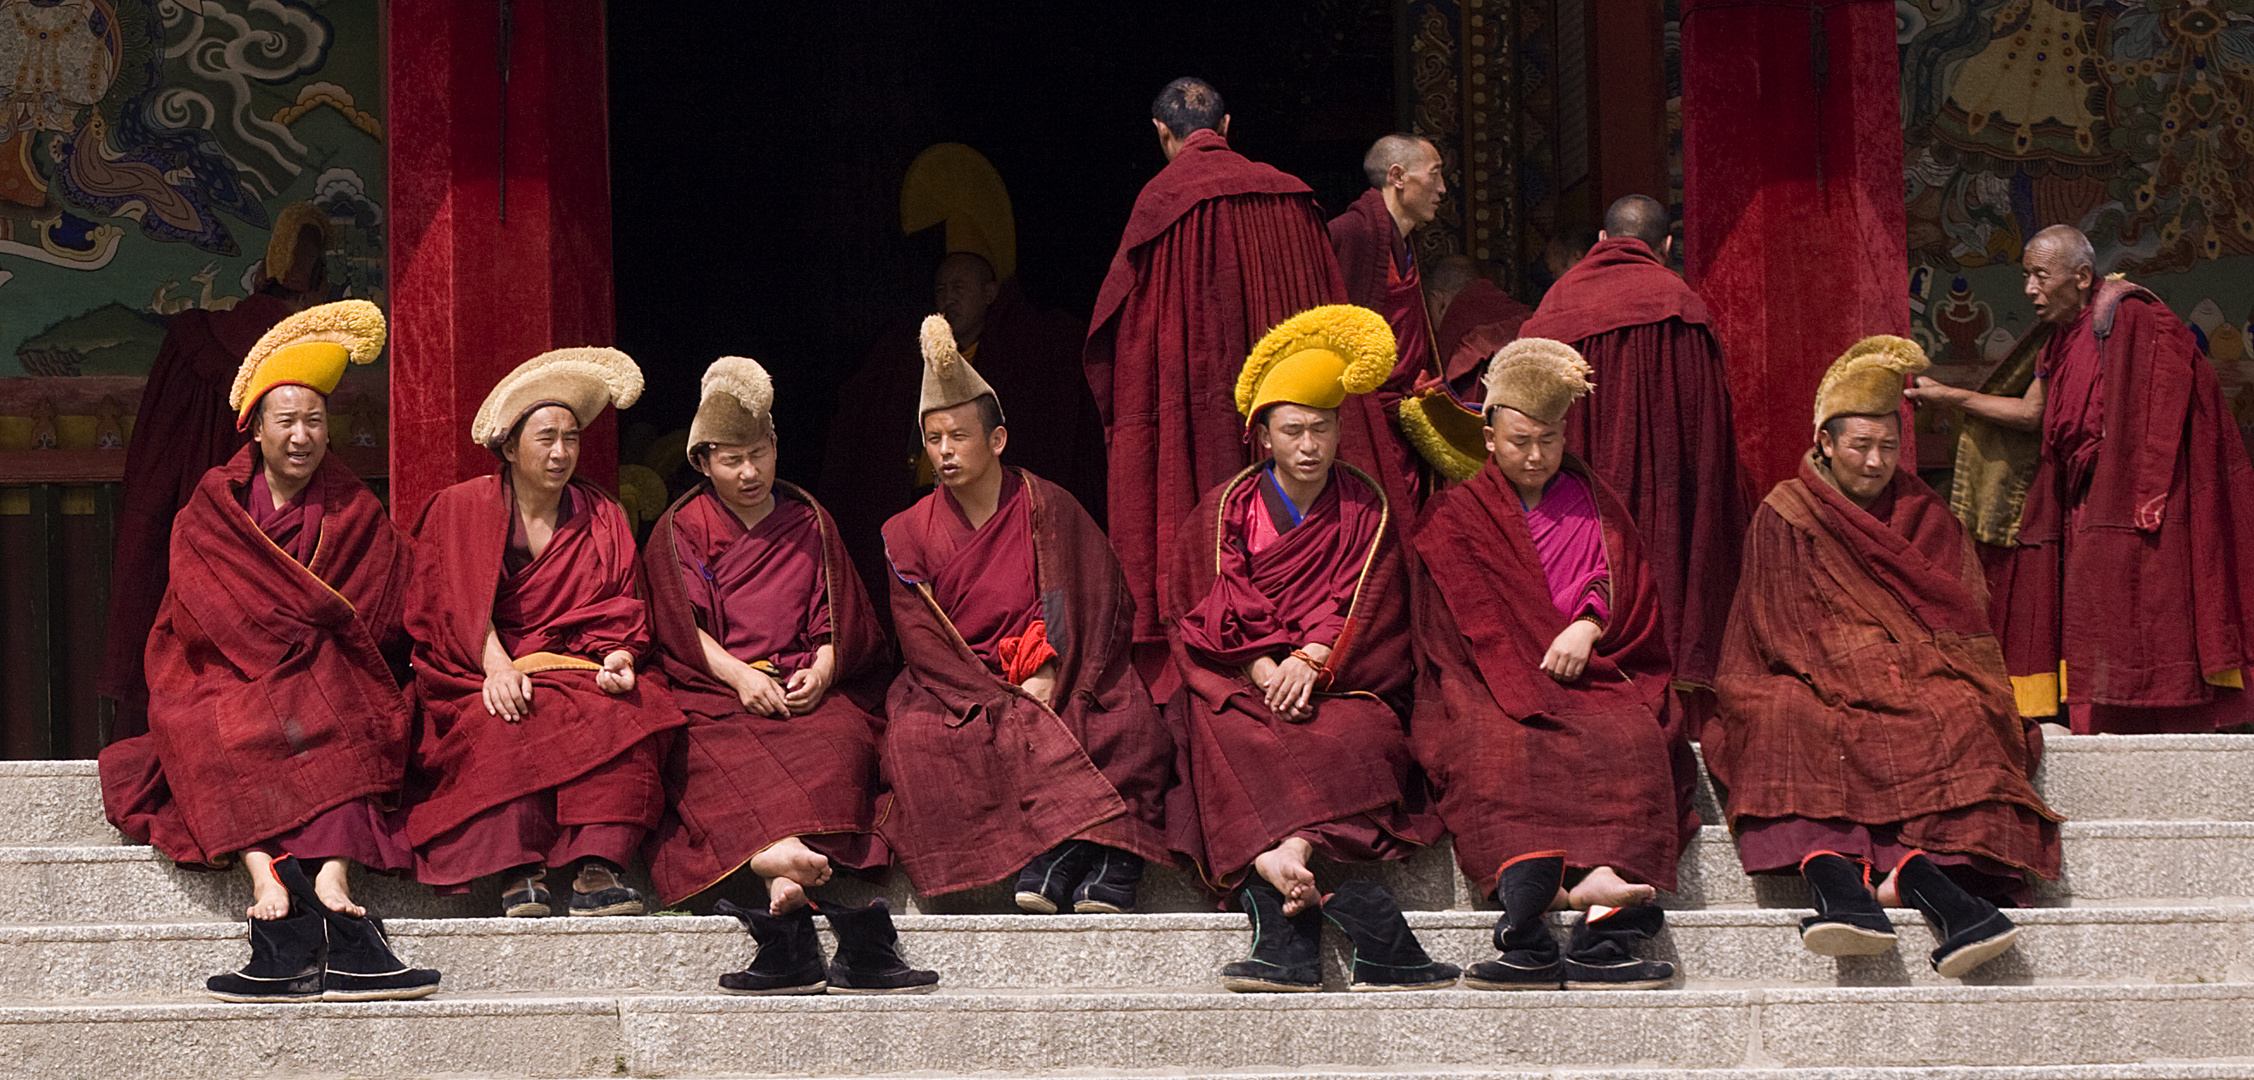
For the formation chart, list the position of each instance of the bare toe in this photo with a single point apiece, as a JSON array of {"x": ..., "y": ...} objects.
[{"x": 784, "y": 896}]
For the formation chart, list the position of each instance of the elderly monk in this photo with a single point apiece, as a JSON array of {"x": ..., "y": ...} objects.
[
  {"x": 1866, "y": 720},
  {"x": 2129, "y": 597},
  {"x": 1474, "y": 320},
  {"x": 767, "y": 639},
  {"x": 1374, "y": 254},
  {"x": 1019, "y": 739},
  {"x": 1290, "y": 629},
  {"x": 540, "y": 745},
  {"x": 276, "y": 724},
  {"x": 1660, "y": 434},
  {"x": 183, "y": 428},
  {"x": 1542, "y": 707}
]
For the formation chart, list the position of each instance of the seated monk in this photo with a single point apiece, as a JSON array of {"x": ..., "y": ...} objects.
[
  {"x": 276, "y": 723},
  {"x": 1542, "y": 712},
  {"x": 1019, "y": 739},
  {"x": 540, "y": 746},
  {"x": 763, "y": 629},
  {"x": 1866, "y": 715},
  {"x": 1289, "y": 621}
]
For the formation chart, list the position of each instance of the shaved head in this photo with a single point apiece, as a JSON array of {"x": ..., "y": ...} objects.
[
  {"x": 1188, "y": 105},
  {"x": 1638, "y": 217},
  {"x": 2061, "y": 271},
  {"x": 968, "y": 262},
  {"x": 1399, "y": 148},
  {"x": 2068, "y": 243},
  {"x": 1450, "y": 274}
]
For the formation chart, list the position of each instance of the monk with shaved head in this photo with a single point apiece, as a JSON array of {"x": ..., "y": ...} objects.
[{"x": 1381, "y": 271}]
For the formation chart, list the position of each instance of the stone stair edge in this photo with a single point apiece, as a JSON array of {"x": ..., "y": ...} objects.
[{"x": 2173, "y": 1071}]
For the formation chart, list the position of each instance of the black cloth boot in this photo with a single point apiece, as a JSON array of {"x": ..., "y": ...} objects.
[
  {"x": 1971, "y": 930},
  {"x": 1285, "y": 956},
  {"x": 1597, "y": 958},
  {"x": 1045, "y": 886},
  {"x": 1109, "y": 888},
  {"x": 360, "y": 964},
  {"x": 618, "y": 898},
  {"x": 789, "y": 960},
  {"x": 1530, "y": 958},
  {"x": 286, "y": 958},
  {"x": 1848, "y": 920},
  {"x": 868, "y": 954},
  {"x": 1387, "y": 955}
]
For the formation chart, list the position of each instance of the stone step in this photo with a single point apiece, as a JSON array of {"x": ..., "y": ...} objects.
[
  {"x": 2228, "y": 1071},
  {"x": 1714, "y": 949},
  {"x": 1044, "y": 1034}
]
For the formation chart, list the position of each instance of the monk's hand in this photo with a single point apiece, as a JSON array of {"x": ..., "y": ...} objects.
[
  {"x": 1929, "y": 392},
  {"x": 809, "y": 683},
  {"x": 759, "y": 693},
  {"x": 508, "y": 694},
  {"x": 1569, "y": 653},
  {"x": 617, "y": 675},
  {"x": 1292, "y": 689},
  {"x": 1042, "y": 684}
]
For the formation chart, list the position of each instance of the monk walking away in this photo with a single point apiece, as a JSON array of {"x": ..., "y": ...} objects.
[
  {"x": 278, "y": 733},
  {"x": 1866, "y": 722},
  {"x": 541, "y": 742},
  {"x": 1543, "y": 710},
  {"x": 775, "y": 657},
  {"x": 1289, "y": 620},
  {"x": 1018, "y": 739},
  {"x": 1472, "y": 319},
  {"x": 2126, "y": 605}
]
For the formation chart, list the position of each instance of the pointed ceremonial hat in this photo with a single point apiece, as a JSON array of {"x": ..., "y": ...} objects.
[
  {"x": 1539, "y": 377},
  {"x": 735, "y": 407},
  {"x": 949, "y": 380},
  {"x": 1866, "y": 380},
  {"x": 1316, "y": 358},
  {"x": 309, "y": 349},
  {"x": 584, "y": 380}
]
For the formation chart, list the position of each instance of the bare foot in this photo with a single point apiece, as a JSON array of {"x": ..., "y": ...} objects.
[
  {"x": 329, "y": 885},
  {"x": 784, "y": 896},
  {"x": 1285, "y": 867},
  {"x": 268, "y": 899},
  {"x": 1889, "y": 891},
  {"x": 1605, "y": 887},
  {"x": 790, "y": 858}
]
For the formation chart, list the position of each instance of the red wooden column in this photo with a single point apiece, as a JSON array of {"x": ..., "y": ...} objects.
[
  {"x": 474, "y": 294},
  {"x": 1794, "y": 221},
  {"x": 1627, "y": 100}
]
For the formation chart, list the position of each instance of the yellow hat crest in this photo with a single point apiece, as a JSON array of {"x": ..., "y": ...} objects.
[
  {"x": 309, "y": 349},
  {"x": 281, "y": 247},
  {"x": 1448, "y": 433},
  {"x": 1316, "y": 358},
  {"x": 1866, "y": 380}
]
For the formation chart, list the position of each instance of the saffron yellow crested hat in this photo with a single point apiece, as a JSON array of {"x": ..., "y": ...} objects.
[
  {"x": 309, "y": 349},
  {"x": 1316, "y": 358},
  {"x": 1539, "y": 377},
  {"x": 1446, "y": 432},
  {"x": 289, "y": 230},
  {"x": 1867, "y": 379},
  {"x": 584, "y": 380}
]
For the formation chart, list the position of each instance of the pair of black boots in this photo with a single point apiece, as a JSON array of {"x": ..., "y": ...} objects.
[
  {"x": 1598, "y": 956},
  {"x": 1286, "y": 949},
  {"x": 1086, "y": 876},
  {"x": 1849, "y": 921},
  {"x": 789, "y": 960},
  {"x": 315, "y": 954}
]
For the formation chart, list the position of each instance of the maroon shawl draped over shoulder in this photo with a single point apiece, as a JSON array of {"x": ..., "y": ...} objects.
[
  {"x": 1480, "y": 320},
  {"x": 1860, "y": 680},
  {"x": 1252, "y": 778},
  {"x": 1599, "y": 767},
  {"x": 271, "y": 697},
  {"x": 1366, "y": 242},
  {"x": 983, "y": 776},
  {"x": 580, "y": 597},
  {"x": 737, "y": 782}
]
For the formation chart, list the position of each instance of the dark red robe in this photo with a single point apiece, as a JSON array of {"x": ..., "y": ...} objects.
[
  {"x": 1658, "y": 430},
  {"x": 182, "y": 430},
  {"x": 491, "y": 794},
  {"x": 1380, "y": 269},
  {"x": 1600, "y": 767},
  {"x": 1480, "y": 320},
  {"x": 1343, "y": 780},
  {"x": 983, "y": 776},
  {"x": 736, "y": 781},
  {"x": 2133, "y": 566},
  {"x": 1219, "y": 250},
  {"x": 272, "y": 703},
  {"x": 1860, "y": 684}
]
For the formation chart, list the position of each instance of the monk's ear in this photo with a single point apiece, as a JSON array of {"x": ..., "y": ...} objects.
[
  {"x": 997, "y": 438},
  {"x": 1487, "y": 432},
  {"x": 1223, "y": 130}
]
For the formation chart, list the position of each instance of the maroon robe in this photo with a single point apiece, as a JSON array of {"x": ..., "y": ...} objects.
[
  {"x": 1599, "y": 767},
  {"x": 1343, "y": 779},
  {"x": 1380, "y": 269},
  {"x": 1658, "y": 431},
  {"x": 182, "y": 430},
  {"x": 580, "y": 775},
  {"x": 737, "y": 782},
  {"x": 273, "y": 707},
  {"x": 1480, "y": 320},
  {"x": 983, "y": 776},
  {"x": 1861, "y": 686},
  {"x": 1219, "y": 250},
  {"x": 2132, "y": 568}
]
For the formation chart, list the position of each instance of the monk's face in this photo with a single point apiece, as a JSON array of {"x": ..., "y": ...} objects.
[
  {"x": 961, "y": 449},
  {"x": 292, "y": 433},
  {"x": 965, "y": 288},
  {"x": 1303, "y": 441},
  {"x": 546, "y": 450},
  {"x": 743, "y": 476},
  {"x": 1421, "y": 186},
  {"x": 1525, "y": 449},
  {"x": 1864, "y": 454},
  {"x": 2057, "y": 289}
]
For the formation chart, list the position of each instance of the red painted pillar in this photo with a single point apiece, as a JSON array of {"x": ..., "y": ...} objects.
[
  {"x": 474, "y": 294},
  {"x": 1627, "y": 100},
  {"x": 1794, "y": 221}
]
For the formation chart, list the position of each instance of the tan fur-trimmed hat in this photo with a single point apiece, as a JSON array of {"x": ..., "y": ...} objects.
[
  {"x": 309, "y": 349},
  {"x": 1538, "y": 377},
  {"x": 736, "y": 406},
  {"x": 584, "y": 380},
  {"x": 1866, "y": 380},
  {"x": 949, "y": 380}
]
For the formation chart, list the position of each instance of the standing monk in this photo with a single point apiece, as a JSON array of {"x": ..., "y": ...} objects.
[
  {"x": 1660, "y": 434},
  {"x": 1374, "y": 254},
  {"x": 1290, "y": 629},
  {"x": 540, "y": 745},
  {"x": 2130, "y": 596},
  {"x": 1474, "y": 320},
  {"x": 1543, "y": 713},
  {"x": 1019, "y": 739},
  {"x": 1866, "y": 720}
]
